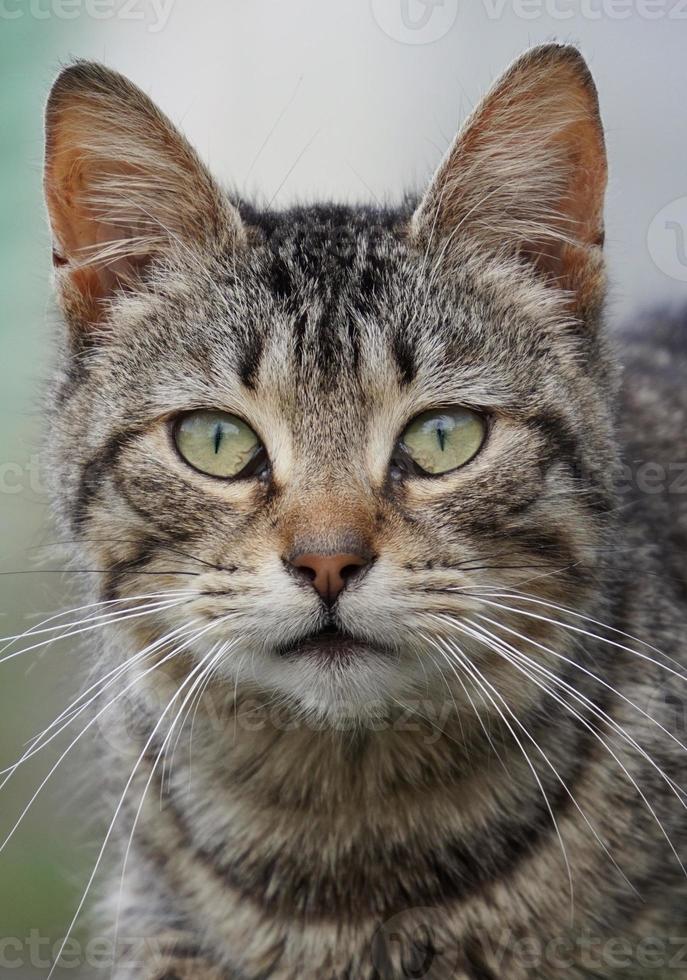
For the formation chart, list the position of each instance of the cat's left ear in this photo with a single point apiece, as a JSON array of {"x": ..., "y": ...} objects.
[
  {"x": 124, "y": 188},
  {"x": 526, "y": 176}
]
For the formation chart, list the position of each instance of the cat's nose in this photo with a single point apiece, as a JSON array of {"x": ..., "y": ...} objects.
[{"x": 329, "y": 573}]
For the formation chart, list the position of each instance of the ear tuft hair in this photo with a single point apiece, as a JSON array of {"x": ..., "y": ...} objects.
[
  {"x": 123, "y": 187},
  {"x": 526, "y": 175}
]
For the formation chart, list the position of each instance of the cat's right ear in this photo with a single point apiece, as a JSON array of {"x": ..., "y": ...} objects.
[
  {"x": 123, "y": 188},
  {"x": 525, "y": 178}
]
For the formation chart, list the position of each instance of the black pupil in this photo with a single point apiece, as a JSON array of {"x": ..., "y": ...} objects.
[
  {"x": 441, "y": 435},
  {"x": 219, "y": 432}
]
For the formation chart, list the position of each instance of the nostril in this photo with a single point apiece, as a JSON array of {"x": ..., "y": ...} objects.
[
  {"x": 305, "y": 571},
  {"x": 348, "y": 571}
]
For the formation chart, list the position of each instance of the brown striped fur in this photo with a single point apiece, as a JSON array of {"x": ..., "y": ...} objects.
[{"x": 377, "y": 819}]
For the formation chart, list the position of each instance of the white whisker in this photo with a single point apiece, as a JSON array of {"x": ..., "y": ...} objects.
[
  {"x": 487, "y": 686},
  {"x": 106, "y": 619},
  {"x": 589, "y": 673},
  {"x": 95, "y": 720},
  {"x": 577, "y": 629},
  {"x": 198, "y": 668},
  {"x": 500, "y": 647},
  {"x": 493, "y": 644},
  {"x": 72, "y": 712},
  {"x": 38, "y": 628},
  {"x": 207, "y": 664},
  {"x": 487, "y": 734}
]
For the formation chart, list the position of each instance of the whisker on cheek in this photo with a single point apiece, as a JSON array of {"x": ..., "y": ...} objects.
[
  {"x": 504, "y": 712},
  {"x": 66, "y": 632},
  {"x": 517, "y": 661},
  {"x": 192, "y": 679},
  {"x": 77, "y": 708}
]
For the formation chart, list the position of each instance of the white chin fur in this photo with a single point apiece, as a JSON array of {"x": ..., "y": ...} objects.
[{"x": 356, "y": 689}]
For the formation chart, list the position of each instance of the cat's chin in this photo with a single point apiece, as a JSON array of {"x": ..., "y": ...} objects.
[
  {"x": 332, "y": 646},
  {"x": 330, "y": 677}
]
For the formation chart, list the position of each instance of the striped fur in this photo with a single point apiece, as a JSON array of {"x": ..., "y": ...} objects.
[{"x": 364, "y": 821}]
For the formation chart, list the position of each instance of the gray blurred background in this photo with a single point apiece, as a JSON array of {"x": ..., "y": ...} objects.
[{"x": 355, "y": 101}]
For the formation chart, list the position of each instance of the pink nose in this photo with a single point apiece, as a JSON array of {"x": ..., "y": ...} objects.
[{"x": 329, "y": 573}]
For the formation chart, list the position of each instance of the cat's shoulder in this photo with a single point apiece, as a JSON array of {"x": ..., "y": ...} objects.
[
  {"x": 652, "y": 427},
  {"x": 654, "y": 339},
  {"x": 652, "y": 350}
]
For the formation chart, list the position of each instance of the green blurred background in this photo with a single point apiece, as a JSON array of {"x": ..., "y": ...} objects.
[
  {"x": 289, "y": 100},
  {"x": 41, "y": 868}
]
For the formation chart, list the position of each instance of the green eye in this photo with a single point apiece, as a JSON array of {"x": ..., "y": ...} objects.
[
  {"x": 216, "y": 443},
  {"x": 443, "y": 440}
]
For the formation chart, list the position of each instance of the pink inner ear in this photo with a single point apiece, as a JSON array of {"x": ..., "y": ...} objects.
[
  {"x": 575, "y": 266},
  {"x": 527, "y": 174},
  {"x": 122, "y": 186},
  {"x": 96, "y": 256}
]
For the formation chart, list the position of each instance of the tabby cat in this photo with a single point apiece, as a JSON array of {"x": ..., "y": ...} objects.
[{"x": 378, "y": 574}]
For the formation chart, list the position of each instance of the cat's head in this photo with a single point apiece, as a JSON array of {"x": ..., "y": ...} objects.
[{"x": 338, "y": 439}]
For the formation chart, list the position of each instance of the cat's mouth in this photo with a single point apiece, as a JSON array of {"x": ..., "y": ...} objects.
[{"x": 329, "y": 643}]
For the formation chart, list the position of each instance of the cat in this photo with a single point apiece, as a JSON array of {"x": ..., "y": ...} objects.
[{"x": 401, "y": 630}]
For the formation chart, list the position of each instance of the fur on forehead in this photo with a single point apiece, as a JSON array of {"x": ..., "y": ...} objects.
[{"x": 231, "y": 330}]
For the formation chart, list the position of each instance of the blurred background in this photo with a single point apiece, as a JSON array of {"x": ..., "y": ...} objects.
[{"x": 354, "y": 101}]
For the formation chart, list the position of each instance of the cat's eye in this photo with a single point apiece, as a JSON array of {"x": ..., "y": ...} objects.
[
  {"x": 217, "y": 443},
  {"x": 443, "y": 439}
]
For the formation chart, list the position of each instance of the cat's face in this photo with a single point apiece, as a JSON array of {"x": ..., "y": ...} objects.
[{"x": 343, "y": 433}]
